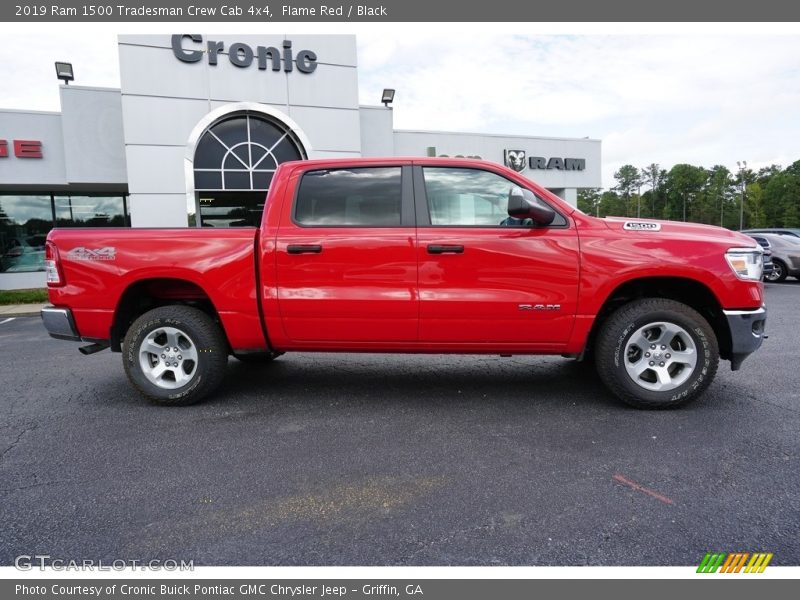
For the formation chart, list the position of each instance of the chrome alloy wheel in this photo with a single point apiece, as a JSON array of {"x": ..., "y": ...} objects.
[
  {"x": 776, "y": 274},
  {"x": 168, "y": 358},
  {"x": 660, "y": 356}
]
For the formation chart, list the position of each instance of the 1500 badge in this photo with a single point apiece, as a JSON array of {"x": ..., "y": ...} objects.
[
  {"x": 641, "y": 226},
  {"x": 81, "y": 253}
]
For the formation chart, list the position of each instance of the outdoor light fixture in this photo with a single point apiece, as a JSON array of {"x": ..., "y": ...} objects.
[
  {"x": 388, "y": 97},
  {"x": 64, "y": 72}
]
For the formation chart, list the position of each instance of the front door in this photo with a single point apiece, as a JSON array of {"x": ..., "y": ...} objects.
[
  {"x": 346, "y": 259},
  {"x": 485, "y": 278}
]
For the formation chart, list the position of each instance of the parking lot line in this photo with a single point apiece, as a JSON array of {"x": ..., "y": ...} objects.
[{"x": 4, "y": 321}]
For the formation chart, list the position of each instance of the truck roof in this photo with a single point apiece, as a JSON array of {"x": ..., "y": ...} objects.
[{"x": 450, "y": 161}]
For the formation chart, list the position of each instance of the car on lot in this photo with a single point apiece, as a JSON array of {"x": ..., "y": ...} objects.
[
  {"x": 766, "y": 248},
  {"x": 23, "y": 254},
  {"x": 788, "y": 231},
  {"x": 422, "y": 255},
  {"x": 785, "y": 256}
]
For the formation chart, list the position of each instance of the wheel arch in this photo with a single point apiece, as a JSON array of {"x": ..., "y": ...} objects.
[
  {"x": 146, "y": 294},
  {"x": 691, "y": 292}
]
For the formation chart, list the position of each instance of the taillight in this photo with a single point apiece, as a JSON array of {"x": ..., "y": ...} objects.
[{"x": 52, "y": 265}]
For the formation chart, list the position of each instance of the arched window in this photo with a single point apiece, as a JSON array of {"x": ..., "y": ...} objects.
[{"x": 234, "y": 162}]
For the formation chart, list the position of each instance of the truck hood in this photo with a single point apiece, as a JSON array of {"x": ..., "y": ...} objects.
[{"x": 678, "y": 230}]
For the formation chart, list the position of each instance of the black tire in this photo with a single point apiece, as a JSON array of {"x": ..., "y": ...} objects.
[
  {"x": 615, "y": 347},
  {"x": 780, "y": 272},
  {"x": 201, "y": 338},
  {"x": 258, "y": 358}
]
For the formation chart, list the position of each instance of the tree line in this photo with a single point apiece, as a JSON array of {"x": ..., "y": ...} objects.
[{"x": 769, "y": 197}]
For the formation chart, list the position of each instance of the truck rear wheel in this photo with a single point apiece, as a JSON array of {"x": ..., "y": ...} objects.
[
  {"x": 175, "y": 355},
  {"x": 656, "y": 353}
]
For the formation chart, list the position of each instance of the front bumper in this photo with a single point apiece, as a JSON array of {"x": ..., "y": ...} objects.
[
  {"x": 60, "y": 324},
  {"x": 747, "y": 333}
]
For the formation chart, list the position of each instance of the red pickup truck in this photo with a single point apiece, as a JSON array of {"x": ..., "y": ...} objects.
[{"x": 412, "y": 255}]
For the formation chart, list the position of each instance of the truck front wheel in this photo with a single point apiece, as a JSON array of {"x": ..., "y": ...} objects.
[
  {"x": 656, "y": 353},
  {"x": 175, "y": 355}
]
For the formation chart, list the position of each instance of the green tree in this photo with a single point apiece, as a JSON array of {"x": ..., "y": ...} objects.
[
  {"x": 764, "y": 174},
  {"x": 719, "y": 192},
  {"x": 791, "y": 216},
  {"x": 768, "y": 197},
  {"x": 781, "y": 195},
  {"x": 755, "y": 216},
  {"x": 653, "y": 176},
  {"x": 589, "y": 200},
  {"x": 628, "y": 180},
  {"x": 684, "y": 183},
  {"x": 611, "y": 204}
]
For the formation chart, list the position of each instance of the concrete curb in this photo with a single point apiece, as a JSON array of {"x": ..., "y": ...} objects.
[{"x": 20, "y": 310}]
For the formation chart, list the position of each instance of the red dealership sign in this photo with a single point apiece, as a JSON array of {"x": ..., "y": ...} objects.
[{"x": 22, "y": 148}]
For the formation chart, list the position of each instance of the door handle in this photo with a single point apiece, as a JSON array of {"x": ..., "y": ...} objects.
[
  {"x": 304, "y": 249},
  {"x": 440, "y": 249}
]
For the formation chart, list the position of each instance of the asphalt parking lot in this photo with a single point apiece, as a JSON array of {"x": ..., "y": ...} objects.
[{"x": 397, "y": 460}]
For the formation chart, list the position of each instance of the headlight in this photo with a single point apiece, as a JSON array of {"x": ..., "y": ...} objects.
[{"x": 747, "y": 263}]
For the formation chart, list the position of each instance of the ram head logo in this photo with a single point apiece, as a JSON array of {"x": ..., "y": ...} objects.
[{"x": 515, "y": 159}]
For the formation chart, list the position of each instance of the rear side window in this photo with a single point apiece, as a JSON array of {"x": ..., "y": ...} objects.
[{"x": 362, "y": 197}]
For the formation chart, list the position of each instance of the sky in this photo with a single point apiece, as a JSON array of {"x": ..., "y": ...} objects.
[{"x": 664, "y": 98}]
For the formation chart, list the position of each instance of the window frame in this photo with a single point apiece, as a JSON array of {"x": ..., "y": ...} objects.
[
  {"x": 247, "y": 116},
  {"x": 50, "y": 198},
  {"x": 422, "y": 208},
  {"x": 203, "y": 219},
  {"x": 126, "y": 218},
  {"x": 407, "y": 214}
]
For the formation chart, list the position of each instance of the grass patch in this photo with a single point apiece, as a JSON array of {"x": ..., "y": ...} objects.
[{"x": 35, "y": 296}]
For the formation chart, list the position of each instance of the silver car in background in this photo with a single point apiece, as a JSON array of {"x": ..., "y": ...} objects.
[
  {"x": 785, "y": 255},
  {"x": 788, "y": 231}
]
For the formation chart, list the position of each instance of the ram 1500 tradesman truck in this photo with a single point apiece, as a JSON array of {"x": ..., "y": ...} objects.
[{"x": 412, "y": 255}]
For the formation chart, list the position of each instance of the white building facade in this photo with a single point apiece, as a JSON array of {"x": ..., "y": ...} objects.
[{"x": 196, "y": 130}]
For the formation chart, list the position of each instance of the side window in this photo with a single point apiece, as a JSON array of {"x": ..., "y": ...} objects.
[
  {"x": 470, "y": 197},
  {"x": 361, "y": 197}
]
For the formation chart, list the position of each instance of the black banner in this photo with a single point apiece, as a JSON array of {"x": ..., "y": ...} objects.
[{"x": 259, "y": 11}]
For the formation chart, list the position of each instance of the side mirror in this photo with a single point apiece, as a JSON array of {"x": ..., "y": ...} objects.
[{"x": 523, "y": 204}]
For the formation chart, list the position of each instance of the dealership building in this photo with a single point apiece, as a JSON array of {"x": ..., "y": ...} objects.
[{"x": 194, "y": 133}]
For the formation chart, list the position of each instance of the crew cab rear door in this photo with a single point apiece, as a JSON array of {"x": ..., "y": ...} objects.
[
  {"x": 482, "y": 279},
  {"x": 346, "y": 259}
]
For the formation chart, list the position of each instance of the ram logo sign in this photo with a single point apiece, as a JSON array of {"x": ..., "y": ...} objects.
[
  {"x": 81, "y": 253},
  {"x": 518, "y": 160},
  {"x": 515, "y": 159}
]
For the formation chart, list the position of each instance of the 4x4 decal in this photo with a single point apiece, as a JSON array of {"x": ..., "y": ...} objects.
[{"x": 81, "y": 253}]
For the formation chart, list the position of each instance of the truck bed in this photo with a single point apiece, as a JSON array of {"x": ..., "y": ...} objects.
[{"x": 99, "y": 265}]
